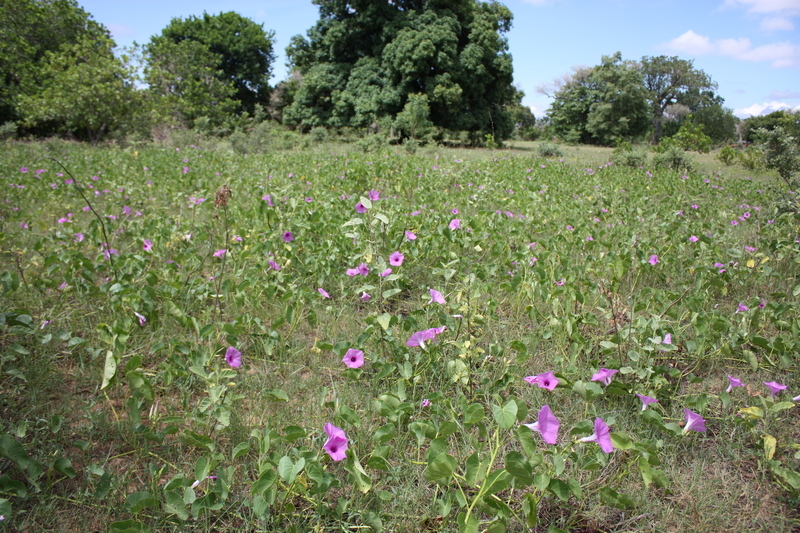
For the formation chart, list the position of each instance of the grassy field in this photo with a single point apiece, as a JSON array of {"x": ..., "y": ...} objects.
[{"x": 327, "y": 340}]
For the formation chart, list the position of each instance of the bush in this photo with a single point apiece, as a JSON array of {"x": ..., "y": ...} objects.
[
  {"x": 780, "y": 153},
  {"x": 318, "y": 134},
  {"x": 373, "y": 142},
  {"x": 728, "y": 156},
  {"x": 627, "y": 155},
  {"x": 548, "y": 149},
  {"x": 673, "y": 158},
  {"x": 752, "y": 158},
  {"x": 8, "y": 131}
]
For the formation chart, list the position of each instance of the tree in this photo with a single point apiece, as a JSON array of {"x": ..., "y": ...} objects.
[
  {"x": 84, "y": 89},
  {"x": 29, "y": 29},
  {"x": 602, "y": 105},
  {"x": 364, "y": 58},
  {"x": 788, "y": 120},
  {"x": 718, "y": 122},
  {"x": 184, "y": 85},
  {"x": 244, "y": 53},
  {"x": 670, "y": 80}
]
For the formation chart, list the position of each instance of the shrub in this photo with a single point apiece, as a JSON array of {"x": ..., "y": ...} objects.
[
  {"x": 8, "y": 131},
  {"x": 780, "y": 153},
  {"x": 548, "y": 149},
  {"x": 727, "y": 156},
  {"x": 752, "y": 158},
  {"x": 673, "y": 158},
  {"x": 629, "y": 156}
]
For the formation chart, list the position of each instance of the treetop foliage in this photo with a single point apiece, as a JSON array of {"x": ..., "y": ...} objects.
[{"x": 363, "y": 58}]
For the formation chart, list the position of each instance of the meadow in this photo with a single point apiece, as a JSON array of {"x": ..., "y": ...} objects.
[{"x": 329, "y": 340}]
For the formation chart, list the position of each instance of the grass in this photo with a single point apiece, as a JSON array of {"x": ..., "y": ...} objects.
[{"x": 117, "y": 421}]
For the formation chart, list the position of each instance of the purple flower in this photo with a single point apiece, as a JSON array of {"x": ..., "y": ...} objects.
[
  {"x": 374, "y": 196},
  {"x": 147, "y": 245},
  {"x": 667, "y": 339},
  {"x": 324, "y": 293},
  {"x": 455, "y": 223},
  {"x": 360, "y": 208},
  {"x": 646, "y": 400},
  {"x": 233, "y": 357},
  {"x": 142, "y": 319},
  {"x": 454, "y": 211},
  {"x": 419, "y": 338},
  {"x": 410, "y": 235},
  {"x": 601, "y": 435},
  {"x": 23, "y": 170},
  {"x": 220, "y": 253},
  {"x": 267, "y": 198},
  {"x": 336, "y": 445},
  {"x": 287, "y": 236},
  {"x": 653, "y": 259},
  {"x": 734, "y": 222},
  {"x": 742, "y": 308},
  {"x": 546, "y": 425},
  {"x": 774, "y": 387},
  {"x": 425, "y": 403},
  {"x": 436, "y": 297},
  {"x": 273, "y": 265},
  {"x": 604, "y": 376},
  {"x": 23, "y": 225},
  {"x": 694, "y": 422},
  {"x": 548, "y": 380},
  {"x": 365, "y": 297},
  {"x": 733, "y": 382},
  {"x": 385, "y": 273},
  {"x": 353, "y": 358},
  {"x": 694, "y": 238},
  {"x": 363, "y": 269},
  {"x": 396, "y": 259}
]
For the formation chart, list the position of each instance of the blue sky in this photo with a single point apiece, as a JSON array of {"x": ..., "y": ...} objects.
[{"x": 751, "y": 48}]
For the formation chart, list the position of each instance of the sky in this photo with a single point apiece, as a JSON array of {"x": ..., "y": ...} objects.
[{"x": 750, "y": 48}]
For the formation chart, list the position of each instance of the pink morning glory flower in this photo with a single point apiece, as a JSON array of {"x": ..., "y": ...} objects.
[
  {"x": 601, "y": 435},
  {"x": 694, "y": 422},
  {"x": 233, "y": 357},
  {"x": 667, "y": 339},
  {"x": 455, "y": 224},
  {"x": 396, "y": 259},
  {"x": 323, "y": 292},
  {"x": 410, "y": 236},
  {"x": 774, "y": 387},
  {"x": 363, "y": 269},
  {"x": 273, "y": 265},
  {"x": 425, "y": 403},
  {"x": 733, "y": 382},
  {"x": 353, "y": 358},
  {"x": 360, "y": 208},
  {"x": 436, "y": 297},
  {"x": 147, "y": 245},
  {"x": 742, "y": 308},
  {"x": 419, "y": 338},
  {"x": 385, "y": 273},
  {"x": 220, "y": 253},
  {"x": 646, "y": 400},
  {"x": 336, "y": 445},
  {"x": 653, "y": 259},
  {"x": 548, "y": 380},
  {"x": 287, "y": 236},
  {"x": 142, "y": 319},
  {"x": 268, "y": 198},
  {"x": 374, "y": 196},
  {"x": 546, "y": 425},
  {"x": 604, "y": 376},
  {"x": 796, "y": 399},
  {"x": 694, "y": 238},
  {"x": 365, "y": 297}
]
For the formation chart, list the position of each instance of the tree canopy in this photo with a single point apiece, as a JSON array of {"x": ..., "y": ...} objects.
[
  {"x": 30, "y": 29},
  {"x": 242, "y": 49},
  {"x": 363, "y": 59}
]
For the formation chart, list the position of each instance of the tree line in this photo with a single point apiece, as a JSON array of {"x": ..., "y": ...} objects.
[{"x": 421, "y": 69}]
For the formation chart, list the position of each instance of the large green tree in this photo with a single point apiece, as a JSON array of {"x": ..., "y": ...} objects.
[
  {"x": 244, "y": 52},
  {"x": 29, "y": 29},
  {"x": 83, "y": 90},
  {"x": 602, "y": 105},
  {"x": 671, "y": 80},
  {"x": 364, "y": 58}
]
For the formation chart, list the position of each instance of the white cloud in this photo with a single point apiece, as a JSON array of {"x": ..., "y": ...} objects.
[
  {"x": 781, "y": 55},
  {"x": 781, "y": 95},
  {"x": 767, "y": 6},
  {"x": 772, "y": 24},
  {"x": 764, "y": 108}
]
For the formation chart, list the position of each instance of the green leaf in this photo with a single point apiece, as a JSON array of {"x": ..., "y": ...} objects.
[
  {"x": 517, "y": 465},
  {"x": 198, "y": 441},
  {"x": 781, "y": 406},
  {"x": 264, "y": 482},
  {"x": 621, "y": 440},
  {"x": 358, "y": 475},
  {"x": 441, "y": 468},
  {"x": 497, "y": 481},
  {"x": 139, "y": 501},
  {"x": 64, "y": 467},
  {"x": 173, "y": 504},
  {"x": 289, "y": 470},
  {"x": 560, "y": 489},
  {"x": 467, "y": 524},
  {"x": 614, "y": 499},
  {"x": 109, "y": 369},
  {"x": 505, "y": 416},
  {"x": 277, "y": 394},
  {"x": 530, "y": 508},
  {"x": 128, "y": 526},
  {"x": 240, "y": 450},
  {"x": 473, "y": 414}
]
